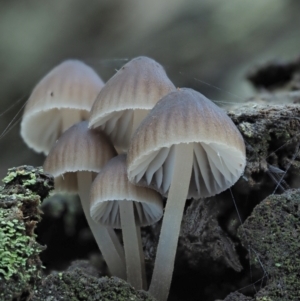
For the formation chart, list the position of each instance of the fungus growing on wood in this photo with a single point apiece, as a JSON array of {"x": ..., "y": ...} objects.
[
  {"x": 117, "y": 203},
  {"x": 127, "y": 98},
  {"x": 186, "y": 147},
  {"x": 74, "y": 161},
  {"x": 62, "y": 98}
]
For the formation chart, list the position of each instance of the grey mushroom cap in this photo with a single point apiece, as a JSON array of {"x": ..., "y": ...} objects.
[
  {"x": 111, "y": 186},
  {"x": 127, "y": 98},
  {"x": 186, "y": 116},
  {"x": 78, "y": 149},
  {"x": 66, "y": 92}
]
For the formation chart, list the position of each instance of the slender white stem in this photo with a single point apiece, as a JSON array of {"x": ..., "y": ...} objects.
[
  {"x": 117, "y": 244},
  {"x": 105, "y": 237},
  {"x": 168, "y": 240},
  {"x": 131, "y": 245},
  {"x": 142, "y": 257}
]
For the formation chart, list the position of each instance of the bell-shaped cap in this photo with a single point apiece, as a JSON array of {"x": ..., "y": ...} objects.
[
  {"x": 127, "y": 98},
  {"x": 186, "y": 116},
  {"x": 78, "y": 149},
  {"x": 111, "y": 186},
  {"x": 64, "y": 96}
]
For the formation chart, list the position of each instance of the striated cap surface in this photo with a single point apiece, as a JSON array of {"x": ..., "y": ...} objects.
[
  {"x": 127, "y": 97},
  {"x": 78, "y": 149},
  {"x": 111, "y": 187},
  {"x": 66, "y": 91},
  {"x": 186, "y": 116}
]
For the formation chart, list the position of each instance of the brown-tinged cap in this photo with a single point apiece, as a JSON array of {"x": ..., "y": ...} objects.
[
  {"x": 66, "y": 91},
  {"x": 129, "y": 95},
  {"x": 186, "y": 116},
  {"x": 78, "y": 149},
  {"x": 111, "y": 186}
]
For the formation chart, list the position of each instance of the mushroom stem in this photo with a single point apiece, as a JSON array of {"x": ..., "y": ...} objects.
[
  {"x": 131, "y": 245},
  {"x": 105, "y": 237},
  {"x": 168, "y": 240},
  {"x": 142, "y": 256},
  {"x": 69, "y": 118}
]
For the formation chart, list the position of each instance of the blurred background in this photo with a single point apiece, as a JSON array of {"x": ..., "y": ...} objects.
[{"x": 209, "y": 41}]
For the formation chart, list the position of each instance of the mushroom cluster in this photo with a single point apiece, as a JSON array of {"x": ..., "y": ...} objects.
[{"x": 123, "y": 146}]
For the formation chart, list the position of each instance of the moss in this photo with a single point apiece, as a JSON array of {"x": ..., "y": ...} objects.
[
  {"x": 272, "y": 132},
  {"x": 236, "y": 296},
  {"x": 75, "y": 285},
  {"x": 264, "y": 299},
  {"x": 20, "y": 266},
  {"x": 273, "y": 231}
]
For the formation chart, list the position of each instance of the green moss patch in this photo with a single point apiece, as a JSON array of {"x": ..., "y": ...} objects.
[
  {"x": 75, "y": 285},
  {"x": 273, "y": 231}
]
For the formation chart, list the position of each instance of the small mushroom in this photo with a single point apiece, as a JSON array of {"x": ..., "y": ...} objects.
[
  {"x": 118, "y": 203},
  {"x": 74, "y": 161},
  {"x": 127, "y": 98},
  {"x": 62, "y": 98},
  {"x": 186, "y": 147}
]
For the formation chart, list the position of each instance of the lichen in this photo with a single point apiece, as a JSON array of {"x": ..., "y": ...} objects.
[
  {"x": 247, "y": 129},
  {"x": 16, "y": 247},
  {"x": 20, "y": 197},
  {"x": 30, "y": 172},
  {"x": 9, "y": 177}
]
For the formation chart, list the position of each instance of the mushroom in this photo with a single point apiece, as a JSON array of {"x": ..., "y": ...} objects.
[
  {"x": 75, "y": 159},
  {"x": 62, "y": 98},
  {"x": 127, "y": 98},
  {"x": 118, "y": 203},
  {"x": 186, "y": 147}
]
